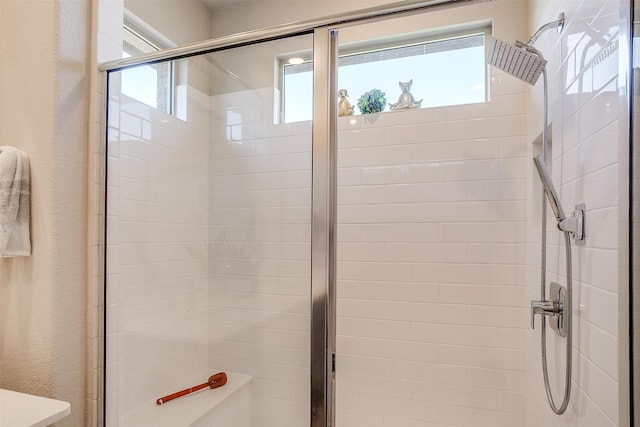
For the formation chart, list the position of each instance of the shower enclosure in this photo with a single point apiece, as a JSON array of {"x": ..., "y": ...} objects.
[{"x": 366, "y": 270}]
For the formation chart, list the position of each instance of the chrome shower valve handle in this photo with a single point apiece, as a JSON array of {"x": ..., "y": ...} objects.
[
  {"x": 554, "y": 308},
  {"x": 547, "y": 308}
]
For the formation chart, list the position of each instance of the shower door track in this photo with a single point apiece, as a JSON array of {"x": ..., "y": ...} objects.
[{"x": 324, "y": 170}]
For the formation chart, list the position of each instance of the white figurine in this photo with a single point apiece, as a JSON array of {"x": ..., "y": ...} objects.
[
  {"x": 406, "y": 100},
  {"x": 344, "y": 106}
]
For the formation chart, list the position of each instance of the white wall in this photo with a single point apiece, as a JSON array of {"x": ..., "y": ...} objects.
[
  {"x": 181, "y": 22},
  {"x": 588, "y": 166},
  {"x": 45, "y": 84},
  {"x": 266, "y": 14}
]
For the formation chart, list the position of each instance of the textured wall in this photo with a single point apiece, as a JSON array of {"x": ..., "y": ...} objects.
[{"x": 44, "y": 112}]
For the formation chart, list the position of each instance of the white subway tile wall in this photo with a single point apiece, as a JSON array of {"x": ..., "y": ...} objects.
[
  {"x": 585, "y": 112},
  {"x": 259, "y": 297},
  {"x": 157, "y": 253},
  {"x": 431, "y": 266}
]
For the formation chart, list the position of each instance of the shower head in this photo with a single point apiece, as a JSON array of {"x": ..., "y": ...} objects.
[
  {"x": 521, "y": 59},
  {"x": 549, "y": 189},
  {"x": 516, "y": 59}
]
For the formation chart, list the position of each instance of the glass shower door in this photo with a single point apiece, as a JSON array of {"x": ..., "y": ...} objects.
[{"x": 209, "y": 237}]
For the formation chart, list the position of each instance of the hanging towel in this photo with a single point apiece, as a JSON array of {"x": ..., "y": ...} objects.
[{"x": 14, "y": 203}]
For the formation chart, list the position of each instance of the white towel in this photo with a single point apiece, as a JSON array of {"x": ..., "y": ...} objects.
[{"x": 14, "y": 203}]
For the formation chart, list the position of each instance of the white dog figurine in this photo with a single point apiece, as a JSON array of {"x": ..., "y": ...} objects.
[
  {"x": 344, "y": 106},
  {"x": 406, "y": 100}
]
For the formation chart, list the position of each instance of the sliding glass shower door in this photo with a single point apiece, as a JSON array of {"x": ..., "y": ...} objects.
[{"x": 208, "y": 240}]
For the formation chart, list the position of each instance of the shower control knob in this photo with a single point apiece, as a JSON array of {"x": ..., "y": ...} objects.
[{"x": 546, "y": 308}]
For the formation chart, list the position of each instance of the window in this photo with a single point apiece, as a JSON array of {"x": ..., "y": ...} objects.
[
  {"x": 150, "y": 84},
  {"x": 446, "y": 70}
]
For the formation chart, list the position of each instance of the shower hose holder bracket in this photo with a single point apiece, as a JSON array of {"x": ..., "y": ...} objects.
[{"x": 575, "y": 224}]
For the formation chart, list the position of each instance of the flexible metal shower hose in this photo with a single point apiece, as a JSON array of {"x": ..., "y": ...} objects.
[
  {"x": 569, "y": 341},
  {"x": 568, "y": 309}
]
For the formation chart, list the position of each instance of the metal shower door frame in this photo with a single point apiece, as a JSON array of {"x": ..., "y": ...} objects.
[{"x": 323, "y": 227}]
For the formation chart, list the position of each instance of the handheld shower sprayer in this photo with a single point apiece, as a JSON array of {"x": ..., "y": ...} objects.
[
  {"x": 549, "y": 189},
  {"x": 573, "y": 225}
]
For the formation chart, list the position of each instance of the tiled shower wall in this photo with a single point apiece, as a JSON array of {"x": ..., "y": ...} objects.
[
  {"x": 157, "y": 249},
  {"x": 260, "y": 253},
  {"x": 432, "y": 214},
  {"x": 431, "y": 262},
  {"x": 588, "y": 166}
]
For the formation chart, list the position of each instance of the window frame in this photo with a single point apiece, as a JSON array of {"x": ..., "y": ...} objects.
[
  {"x": 372, "y": 46},
  {"x": 143, "y": 34}
]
